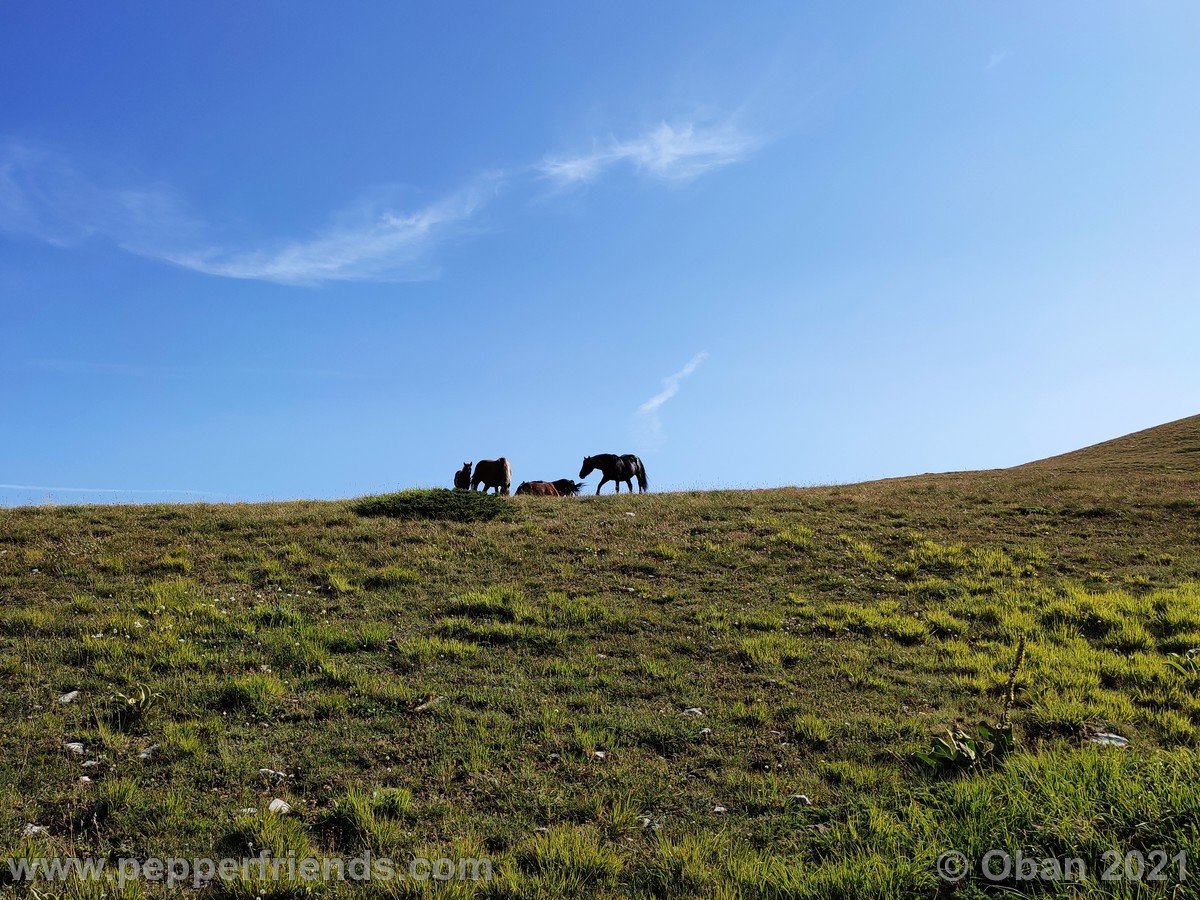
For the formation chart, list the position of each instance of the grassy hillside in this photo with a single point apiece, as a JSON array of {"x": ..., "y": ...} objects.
[
  {"x": 671, "y": 695},
  {"x": 1174, "y": 447}
]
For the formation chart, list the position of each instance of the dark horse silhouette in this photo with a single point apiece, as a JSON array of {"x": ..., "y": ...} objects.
[
  {"x": 566, "y": 487},
  {"x": 462, "y": 478},
  {"x": 492, "y": 473},
  {"x": 616, "y": 468}
]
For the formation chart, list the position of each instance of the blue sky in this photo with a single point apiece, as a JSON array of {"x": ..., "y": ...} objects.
[{"x": 281, "y": 250}]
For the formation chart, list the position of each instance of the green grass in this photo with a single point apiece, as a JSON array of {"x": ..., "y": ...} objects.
[
  {"x": 521, "y": 684},
  {"x": 436, "y": 503}
]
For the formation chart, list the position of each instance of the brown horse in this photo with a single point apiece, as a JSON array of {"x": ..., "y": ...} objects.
[
  {"x": 537, "y": 489},
  {"x": 462, "y": 478},
  {"x": 492, "y": 473}
]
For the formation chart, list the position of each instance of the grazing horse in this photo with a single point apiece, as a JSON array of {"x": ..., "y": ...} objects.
[
  {"x": 537, "y": 489},
  {"x": 617, "y": 469},
  {"x": 566, "y": 487},
  {"x": 492, "y": 473},
  {"x": 462, "y": 478}
]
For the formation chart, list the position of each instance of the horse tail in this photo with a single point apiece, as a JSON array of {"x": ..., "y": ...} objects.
[{"x": 643, "y": 481}]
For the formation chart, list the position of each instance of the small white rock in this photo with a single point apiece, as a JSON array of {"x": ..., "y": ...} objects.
[
  {"x": 1107, "y": 739},
  {"x": 705, "y": 731},
  {"x": 719, "y": 809},
  {"x": 148, "y": 752},
  {"x": 69, "y": 697},
  {"x": 31, "y": 830},
  {"x": 248, "y": 811},
  {"x": 693, "y": 711},
  {"x": 803, "y": 799},
  {"x": 90, "y": 763},
  {"x": 601, "y": 754},
  {"x": 279, "y": 807},
  {"x": 83, "y": 779},
  {"x": 74, "y": 747}
]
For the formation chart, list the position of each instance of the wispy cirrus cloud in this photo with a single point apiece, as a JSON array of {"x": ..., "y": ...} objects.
[
  {"x": 996, "y": 60},
  {"x": 679, "y": 152},
  {"x": 649, "y": 425},
  {"x": 370, "y": 242},
  {"x": 44, "y": 195}
]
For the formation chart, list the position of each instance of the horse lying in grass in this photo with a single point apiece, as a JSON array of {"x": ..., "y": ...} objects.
[
  {"x": 492, "y": 473},
  {"x": 536, "y": 489},
  {"x": 566, "y": 487},
  {"x": 617, "y": 469}
]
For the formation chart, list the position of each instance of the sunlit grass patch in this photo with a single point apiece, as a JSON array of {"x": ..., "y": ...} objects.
[
  {"x": 767, "y": 651},
  {"x": 423, "y": 649},
  {"x": 391, "y": 576},
  {"x": 257, "y": 692},
  {"x": 569, "y": 861}
]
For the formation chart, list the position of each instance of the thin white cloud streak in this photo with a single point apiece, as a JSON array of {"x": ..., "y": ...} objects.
[
  {"x": 679, "y": 152},
  {"x": 649, "y": 424},
  {"x": 44, "y": 196},
  {"x": 366, "y": 244},
  {"x": 996, "y": 59}
]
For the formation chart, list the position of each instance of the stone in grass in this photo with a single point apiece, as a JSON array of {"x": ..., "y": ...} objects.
[
  {"x": 802, "y": 799},
  {"x": 719, "y": 809},
  {"x": 69, "y": 697},
  {"x": 694, "y": 711},
  {"x": 279, "y": 807},
  {"x": 31, "y": 830},
  {"x": 148, "y": 752},
  {"x": 1108, "y": 739},
  {"x": 74, "y": 747}
]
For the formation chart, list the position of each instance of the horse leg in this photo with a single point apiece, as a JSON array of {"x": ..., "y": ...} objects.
[
  {"x": 629, "y": 484},
  {"x": 600, "y": 485}
]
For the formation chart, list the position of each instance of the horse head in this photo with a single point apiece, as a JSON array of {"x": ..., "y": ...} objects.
[{"x": 588, "y": 466}]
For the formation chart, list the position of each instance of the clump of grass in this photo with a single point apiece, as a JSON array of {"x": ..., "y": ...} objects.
[
  {"x": 265, "y": 832},
  {"x": 772, "y": 650},
  {"x": 437, "y": 503},
  {"x": 368, "y": 636},
  {"x": 255, "y": 692},
  {"x": 277, "y": 615},
  {"x": 570, "y": 862},
  {"x": 497, "y": 604},
  {"x": 181, "y": 740},
  {"x": 423, "y": 649},
  {"x": 799, "y": 537},
  {"x": 178, "y": 560},
  {"x": 391, "y": 576},
  {"x": 810, "y": 731}
]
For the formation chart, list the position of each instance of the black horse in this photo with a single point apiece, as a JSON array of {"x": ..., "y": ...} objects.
[
  {"x": 566, "y": 487},
  {"x": 616, "y": 468}
]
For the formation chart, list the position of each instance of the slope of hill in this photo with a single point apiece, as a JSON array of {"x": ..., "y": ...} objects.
[
  {"x": 671, "y": 695},
  {"x": 1173, "y": 447}
]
